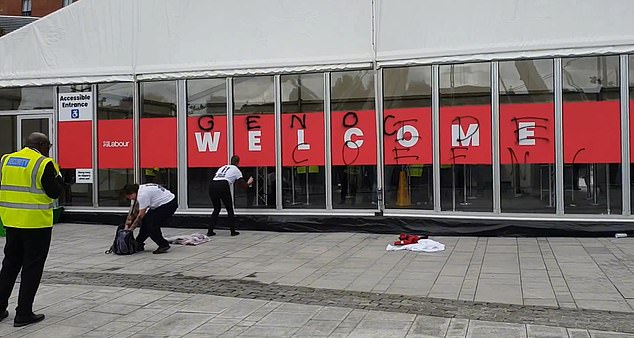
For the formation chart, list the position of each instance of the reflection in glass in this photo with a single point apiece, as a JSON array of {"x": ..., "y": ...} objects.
[
  {"x": 114, "y": 126},
  {"x": 75, "y": 194},
  {"x": 8, "y": 135},
  {"x": 254, "y": 140},
  {"x": 592, "y": 138},
  {"x": 527, "y": 138},
  {"x": 157, "y": 135},
  {"x": 303, "y": 143},
  {"x": 353, "y": 127},
  {"x": 631, "y": 86},
  {"x": 26, "y": 98},
  {"x": 465, "y": 137},
  {"x": 206, "y": 109},
  {"x": 407, "y": 137}
]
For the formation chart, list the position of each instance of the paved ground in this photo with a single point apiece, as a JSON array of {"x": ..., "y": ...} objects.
[{"x": 336, "y": 284}]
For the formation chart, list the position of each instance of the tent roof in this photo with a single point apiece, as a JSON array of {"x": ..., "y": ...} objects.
[{"x": 118, "y": 40}]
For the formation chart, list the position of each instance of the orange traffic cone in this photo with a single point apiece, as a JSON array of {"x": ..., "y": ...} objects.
[{"x": 402, "y": 195}]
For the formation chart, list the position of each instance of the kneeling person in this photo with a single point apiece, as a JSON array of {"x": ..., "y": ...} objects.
[{"x": 156, "y": 206}]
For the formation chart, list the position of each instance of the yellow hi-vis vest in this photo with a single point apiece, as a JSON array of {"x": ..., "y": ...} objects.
[{"x": 23, "y": 202}]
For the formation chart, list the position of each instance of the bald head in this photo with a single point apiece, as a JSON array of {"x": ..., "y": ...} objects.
[{"x": 39, "y": 142}]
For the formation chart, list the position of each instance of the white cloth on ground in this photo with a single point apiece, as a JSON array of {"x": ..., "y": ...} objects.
[
  {"x": 423, "y": 245},
  {"x": 193, "y": 239}
]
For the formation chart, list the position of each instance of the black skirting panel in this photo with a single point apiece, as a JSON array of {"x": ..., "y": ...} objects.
[{"x": 382, "y": 225}]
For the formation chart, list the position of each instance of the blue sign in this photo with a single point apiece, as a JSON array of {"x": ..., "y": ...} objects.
[
  {"x": 18, "y": 162},
  {"x": 74, "y": 113}
]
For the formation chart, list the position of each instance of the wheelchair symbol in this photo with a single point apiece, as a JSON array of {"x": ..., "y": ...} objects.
[{"x": 74, "y": 113}]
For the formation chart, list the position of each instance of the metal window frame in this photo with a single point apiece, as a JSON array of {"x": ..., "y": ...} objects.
[
  {"x": 277, "y": 108},
  {"x": 559, "y": 142},
  {"x": 95, "y": 148},
  {"x": 230, "y": 109},
  {"x": 136, "y": 122},
  {"x": 181, "y": 149},
  {"x": 495, "y": 135},
  {"x": 380, "y": 161},
  {"x": 327, "y": 135},
  {"x": 435, "y": 120},
  {"x": 626, "y": 206}
]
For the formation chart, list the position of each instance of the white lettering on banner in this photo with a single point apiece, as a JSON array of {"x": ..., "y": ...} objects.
[
  {"x": 460, "y": 138},
  {"x": 347, "y": 138},
  {"x": 407, "y": 129},
  {"x": 301, "y": 145},
  {"x": 525, "y": 133},
  {"x": 115, "y": 144},
  {"x": 206, "y": 142},
  {"x": 254, "y": 140}
]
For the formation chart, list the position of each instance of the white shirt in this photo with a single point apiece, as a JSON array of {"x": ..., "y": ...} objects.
[
  {"x": 229, "y": 173},
  {"x": 153, "y": 196}
]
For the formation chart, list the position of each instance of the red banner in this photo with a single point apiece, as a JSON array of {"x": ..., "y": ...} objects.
[
  {"x": 115, "y": 144},
  {"x": 74, "y": 142},
  {"x": 354, "y": 137},
  {"x": 527, "y": 133},
  {"x": 592, "y": 132},
  {"x": 465, "y": 135},
  {"x": 206, "y": 141},
  {"x": 631, "y": 131},
  {"x": 254, "y": 139},
  {"x": 303, "y": 139},
  {"x": 407, "y": 136},
  {"x": 158, "y": 142}
]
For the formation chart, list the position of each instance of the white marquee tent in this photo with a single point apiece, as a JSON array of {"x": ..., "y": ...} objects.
[{"x": 120, "y": 40}]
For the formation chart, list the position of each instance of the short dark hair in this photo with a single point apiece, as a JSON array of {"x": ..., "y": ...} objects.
[
  {"x": 130, "y": 189},
  {"x": 235, "y": 159}
]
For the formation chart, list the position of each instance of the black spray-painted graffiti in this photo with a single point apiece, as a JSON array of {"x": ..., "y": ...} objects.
[
  {"x": 302, "y": 123},
  {"x": 520, "y": 135},
  {"x": 399, "y": 124},
  {"x": 350, "y": 120},
  {"x": 206, "y": 122},
  {"x": 252, "y": 122},
  {"x": 460, "y": 138}
]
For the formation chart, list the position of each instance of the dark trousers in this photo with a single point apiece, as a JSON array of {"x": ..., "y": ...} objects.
[
  {"x": 26, "y": 250},
  {"x": 152, "y": 222},
  {"x": 220, "y": 191}
]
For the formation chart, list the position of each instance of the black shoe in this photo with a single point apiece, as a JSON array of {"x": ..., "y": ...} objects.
[
  {"x": 211, "y": 233},
  {"x": 234, "y": 233},
  {"x": 4, "y": 315},
  {"x": 28, "y": 319},
  {"x": 161, "y": 250},
  {"x": 140, "y": 247}
]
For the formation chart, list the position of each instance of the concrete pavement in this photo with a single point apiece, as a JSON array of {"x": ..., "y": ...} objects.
[{"x": 334, "y": 284}]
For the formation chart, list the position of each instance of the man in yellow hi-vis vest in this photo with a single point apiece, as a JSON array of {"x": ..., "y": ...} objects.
[{"x": 29, "y": 182}]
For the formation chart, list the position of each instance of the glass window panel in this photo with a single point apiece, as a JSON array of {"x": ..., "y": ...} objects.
[
  {"x": 353, "y": 140},
  {"x": 206, "y": 136},
  {"x": 254, "y": 140},
  {"x": 8, "y": 135},
  {"x": 527, "y": 136},
  {"x": 26, "y": 98},
  {"x": 303, "y": 141},
  {"x": 407, "y": 138},
  {"x": 631, "y": 87},
  {"x": 158, "y": 134},
  {"x": 466, "y": 180},
  {"x": 115, "y": 141},
  {"x": 75, "y": 194},
  {"x": 592, "y": 137}
]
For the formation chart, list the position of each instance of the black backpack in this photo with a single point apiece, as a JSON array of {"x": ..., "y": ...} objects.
[{"x": 124, "y": 242}]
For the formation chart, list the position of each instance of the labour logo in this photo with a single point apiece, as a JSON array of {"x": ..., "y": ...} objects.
[{"x": 74, "y": 113}]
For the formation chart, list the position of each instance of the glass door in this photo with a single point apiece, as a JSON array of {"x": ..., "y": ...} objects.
[{"x": 28, "y": 124}]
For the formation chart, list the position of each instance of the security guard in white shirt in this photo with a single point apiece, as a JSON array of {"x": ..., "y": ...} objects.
[{"x": 219, "y": 190}]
